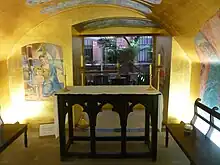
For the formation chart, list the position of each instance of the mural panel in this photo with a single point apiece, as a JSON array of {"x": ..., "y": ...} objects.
[
  {"x": 52, "y": 6},
  {"x": 153, "y": 1},
  {"x": 121, "y": 22},
  {"x": 208, "y": 49},
  {"x": 42, "y": 70}
]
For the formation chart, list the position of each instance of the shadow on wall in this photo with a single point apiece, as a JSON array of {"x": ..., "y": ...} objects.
[{"x": 208, "y": 49}]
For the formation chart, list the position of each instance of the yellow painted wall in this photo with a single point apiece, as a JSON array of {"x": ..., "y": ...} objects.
[
  {"x": 180, "y": 105},
  {"x": 164, "y": 48},
  {"x": 19, "y": 109},
  {"x": 57, "y": 30},
  {"x": 77, "y": 43},
  {"x": 24, "y": 25},
  {"x": 34, "y": 111},
  {"x": 195, "y": 81},
  {"x": 54, "y": 30},
  {"x": 184, "y": 80},
  {"x": 4, "y": 86}
]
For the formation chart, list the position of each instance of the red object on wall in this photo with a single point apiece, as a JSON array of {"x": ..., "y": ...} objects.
[{"x": 162, "y": 73}]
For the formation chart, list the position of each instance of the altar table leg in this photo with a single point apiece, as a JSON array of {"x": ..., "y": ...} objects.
[
  {"x": 70, "y": 122},
  {"x": 62, "y": 136},
  {"x": 154, "y": 121},
  {"x": 123, "y": 114},
  {"x": 167, "y": 138},
  {"x": 92, "y": 140},
  {"x": 25, "y": 138},
  {"x": 123, "y": 139},
  {"x": 92, "y": 113},
  {"x": 147, "y": 126}
]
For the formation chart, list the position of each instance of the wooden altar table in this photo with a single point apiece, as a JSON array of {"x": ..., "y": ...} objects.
[{"x": 123, "y": 99}]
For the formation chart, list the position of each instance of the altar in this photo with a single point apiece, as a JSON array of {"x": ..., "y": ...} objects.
[{"x": 123, "y": 99}]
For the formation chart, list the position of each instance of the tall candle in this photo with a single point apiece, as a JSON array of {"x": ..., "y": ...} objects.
[
  {"x": 150, "y": 74},
  {"x": 159, "y": 58},
  {"x": 158, "y": 72},
  {"x": 82, "y": 60},
  {"x": 150, "y": 71}
]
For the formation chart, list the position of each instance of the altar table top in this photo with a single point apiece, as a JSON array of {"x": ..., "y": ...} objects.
[{"x": 97, "y": 90}]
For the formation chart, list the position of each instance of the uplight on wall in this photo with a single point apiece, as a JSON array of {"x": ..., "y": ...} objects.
[
  {"x": 20, "y": 110},
  {"x": 180, "y": 104}
]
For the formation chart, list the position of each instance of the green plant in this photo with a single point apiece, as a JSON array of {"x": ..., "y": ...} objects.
[{"x": 121, "y": 55}]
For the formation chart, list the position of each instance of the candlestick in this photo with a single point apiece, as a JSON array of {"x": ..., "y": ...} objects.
[
  {"x": 158, "y": 79},
  {"x": 150, "y": 74},
  {"x": 158, "y": 71},
  {"x": 64, "y": 69},
  {"x": 65, "y": 81},
  {"x": 65, "y": 84}
]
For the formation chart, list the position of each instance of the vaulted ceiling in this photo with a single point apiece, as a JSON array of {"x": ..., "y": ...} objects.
[{"x": 181, "y": 18}]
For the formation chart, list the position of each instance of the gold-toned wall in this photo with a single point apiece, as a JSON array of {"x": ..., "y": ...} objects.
[
  {"x": 29, "y": 26},
  {"x": 180, "y": 104},
  {"x": 19, "y": 109},
  {"x": 164, "y": 48},
  {"x": 35, "y": 111},
  {"x": 76, "y": 57},
  {"x": 195, "y": 81},
  {"x": 54, "y": 30},
  {"x": 4, "y": 86}
]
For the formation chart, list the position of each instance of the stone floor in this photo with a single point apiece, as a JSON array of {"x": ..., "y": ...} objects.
[{"x": 45, "y": 151}]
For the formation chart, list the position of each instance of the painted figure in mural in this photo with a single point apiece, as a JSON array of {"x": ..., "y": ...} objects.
[
  {"x": 210, "y": 69},
  {"x": 38, "y": 80},
  {"x": 208, "y": 50},
  {"x": 51, "y": 83}
]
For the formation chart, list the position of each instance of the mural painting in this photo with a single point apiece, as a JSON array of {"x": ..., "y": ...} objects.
[
  {"x": 208, "y": 49},
  {"x": 43, "y": 71}
]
